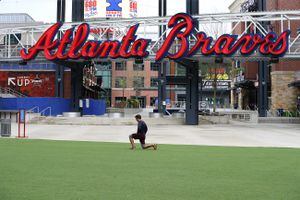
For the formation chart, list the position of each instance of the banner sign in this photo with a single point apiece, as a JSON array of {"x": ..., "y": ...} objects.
[
  {"x": 114, "y": 9},
  {"x": 90, "y": 8},
  {"x": 181, "y": 25},
  {"x": 133, "y": 8},
  {"x": 221, "y": 85},
  {"x": 31, "y": 84}
]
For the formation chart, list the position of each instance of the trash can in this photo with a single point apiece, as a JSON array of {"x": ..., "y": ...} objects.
[{"x": 5, "y": 130}]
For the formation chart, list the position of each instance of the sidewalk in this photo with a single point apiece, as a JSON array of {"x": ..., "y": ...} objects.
[{"x": 246, "y": 135}]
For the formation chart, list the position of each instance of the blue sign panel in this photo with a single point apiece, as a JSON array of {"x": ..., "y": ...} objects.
[
  {"x": 22, "y": 116},
  {"x": 114, "y": 9}
]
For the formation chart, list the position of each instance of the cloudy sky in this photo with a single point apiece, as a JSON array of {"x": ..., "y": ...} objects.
[{"x": 45, "y": 10}]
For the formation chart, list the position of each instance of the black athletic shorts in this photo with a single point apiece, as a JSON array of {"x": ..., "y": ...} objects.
[{"x": 140, "y": 137}]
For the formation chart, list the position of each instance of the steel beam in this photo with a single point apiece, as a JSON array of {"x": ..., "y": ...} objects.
[
  {"x": 162, "y": 11},
  {"x": 59, "y": 72},
  {"x": 192, "y": 75},
  {"x": 263, "y": 89},
  {"x": 30, "y": 33},
  {"x": 77, "y": 87},
  {"x": 192, "y": 91},
  {"x": 263, "y": 74},
  {"x": 77, "y": 70}
]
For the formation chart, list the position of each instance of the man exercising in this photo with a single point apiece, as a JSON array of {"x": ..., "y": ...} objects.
[{"x": 141, "y": 134}]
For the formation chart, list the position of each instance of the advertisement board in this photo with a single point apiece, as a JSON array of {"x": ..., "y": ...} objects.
[
  {"x": 31, "y": 84},
  {"x": 110, "y": 9}
]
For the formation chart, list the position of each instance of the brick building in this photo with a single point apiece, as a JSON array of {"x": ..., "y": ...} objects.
[
  {"x": 281, "y": 93},
  {"x": 284, "y": 72},
  {"x": 134, "y": 81}
]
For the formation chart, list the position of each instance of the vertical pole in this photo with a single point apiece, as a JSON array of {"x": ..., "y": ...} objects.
[
  {"x": 9, "y": 47},
  {"x": 263, "y": 75},
  {"x": 263, "y": 89},
  {"x": 24, "y": 125},
  {"x": 192, "y": 94},
  {"x": 162, "y": 6},
  {"x": 192, "y": 7},
  {"x": 76, "y": 72},
  {"x": 77, "y": 87},
  {"x": 59, "y": 73},
  {"x": 19, "y": 125},
  {"x": 192, "y": 73},
  {"x": 77, "y": 10}
]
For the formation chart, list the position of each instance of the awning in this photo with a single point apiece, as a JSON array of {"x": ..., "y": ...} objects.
[
  {"x": 294, "y": 84},
  {"x": 245, "y": 84}
]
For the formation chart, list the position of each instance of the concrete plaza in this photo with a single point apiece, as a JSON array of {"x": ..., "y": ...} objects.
[{"x": 242, "y": 134}]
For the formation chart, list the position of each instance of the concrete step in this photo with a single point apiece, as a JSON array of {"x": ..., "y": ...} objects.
[
  {"x": 279, "y": 120},
  {"x": 105, "y": 121}
]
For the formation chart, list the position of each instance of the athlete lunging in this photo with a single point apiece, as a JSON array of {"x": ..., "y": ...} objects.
[{"x": 141, "y": 135}]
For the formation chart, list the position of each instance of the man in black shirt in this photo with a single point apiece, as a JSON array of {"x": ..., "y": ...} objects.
[{"x": 141, "y": 134}]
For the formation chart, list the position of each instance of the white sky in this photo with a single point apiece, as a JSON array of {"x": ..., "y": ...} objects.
[{"x": 45, "y": 10}]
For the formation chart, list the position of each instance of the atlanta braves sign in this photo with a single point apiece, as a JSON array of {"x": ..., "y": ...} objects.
[{"x": 182, "y": 27}]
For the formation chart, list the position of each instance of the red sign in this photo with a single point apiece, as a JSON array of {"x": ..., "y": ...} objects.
[
  {"x": 31, "y": 84},
  {"x": 182, "y": 27}
]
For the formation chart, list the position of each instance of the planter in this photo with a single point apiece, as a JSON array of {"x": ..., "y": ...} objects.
[
  {"x": 155, "y": 115},
  {"x": 116, "y": 115},
  {"x": 71, "y": 114}
]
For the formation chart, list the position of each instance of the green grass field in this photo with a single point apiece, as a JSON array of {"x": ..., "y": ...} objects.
[{"x": 42, "y": 170}]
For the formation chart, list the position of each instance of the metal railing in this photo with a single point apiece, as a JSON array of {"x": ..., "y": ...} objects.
[
  {"x": 43, "y": 112},
  {"x": 149, "y": 28},
  {"x": 32, "y": 110},
  {"x": 9, "y": 91}
]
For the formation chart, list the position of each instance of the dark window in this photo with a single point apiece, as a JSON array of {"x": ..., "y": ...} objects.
[
  {"x": 120, "y": 82},
  {"x": 155, "y": 66},
  {"x": 154, "y": 82},
  {"x": 138, "y": 82},
  {"x": 138, "y": 67},
  {"x": 120, "y": 99},
  {"x": 180, "y": 70},
  {"x": 120, "y": 66},
  {"x": 152, "y": 101}
]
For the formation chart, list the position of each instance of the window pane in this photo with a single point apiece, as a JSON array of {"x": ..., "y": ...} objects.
[
  {"x": 180, "y": 70},
  {"x": 120, "y": 66},
  {"x": 152, "y": 101},
  {"x": 155, "y": 66},
  {"x": 154, "y": 82},
  {"x": 120, "y": 82},
  {"x": 138, "y": 82},
  {"x": 138, "y": 67}
]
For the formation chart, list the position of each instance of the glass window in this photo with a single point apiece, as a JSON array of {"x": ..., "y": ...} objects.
[
  {"x": 120, "y": 66},
  {"x": 152, "y": 101},
  {"x": 138, "y": 67},
  {"x": 180, "y": 70},
  {"x": 155, "y": 66},
  {"x": 120, "y": 99},
  {"x": 120, "y": 82},
  {"x": 138, "y": 82},
  {"x": 154, "y": 82}
]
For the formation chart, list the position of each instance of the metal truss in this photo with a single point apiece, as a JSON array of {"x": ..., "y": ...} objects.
[{"x": 114, "y": 29}]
